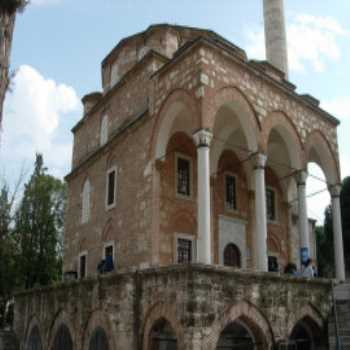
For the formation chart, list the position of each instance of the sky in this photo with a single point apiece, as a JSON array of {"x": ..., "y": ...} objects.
[{"x": 59, "y": 45}]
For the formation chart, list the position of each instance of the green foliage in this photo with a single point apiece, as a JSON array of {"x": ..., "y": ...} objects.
[
  {"x": 7, "y": 253},
  {"x": 11, "y": 6},
  {"x": 39, "y": 228}
]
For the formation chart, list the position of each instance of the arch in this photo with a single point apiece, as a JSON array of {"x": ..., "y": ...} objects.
[
  {"x": 62, "y": 339},
  {"x": 61, "y": 320},
  {"x": 318, "y": 150},
  {"x": 162, "y": 336},
  {"x": 162, "y": 311},
  {"x": 107, "y": 232},
  {"x": 98, "y": 340},
  {"x": 177, "y": 102},
  {"x": 232, "y": 255},
  {"x": 99, "y": 321},
  {"x": 309, "y": 312},
  {"x": 239, "y": 104},
  {"x": 308, "y": 332},
  {"x": 250, "y": 315},
  {"x": 283, "y": 125},
  {"x": 33, "y": 338}
]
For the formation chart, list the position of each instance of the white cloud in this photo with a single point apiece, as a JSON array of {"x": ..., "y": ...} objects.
[
  {"x": 317, "y": 192},
  {"x": 312, "y": 42},
  {"x": 34, "y": 114},
  {"x": 44, "y": 2}
]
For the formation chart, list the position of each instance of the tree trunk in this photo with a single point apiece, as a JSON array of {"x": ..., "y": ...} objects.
[{"x": 7, "y": 23}]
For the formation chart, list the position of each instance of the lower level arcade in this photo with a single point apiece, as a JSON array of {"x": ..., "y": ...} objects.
[{"x": 187, "y": 307}]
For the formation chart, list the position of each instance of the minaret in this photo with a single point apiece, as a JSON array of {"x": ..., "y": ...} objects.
[{"x": 275, "y": 34}]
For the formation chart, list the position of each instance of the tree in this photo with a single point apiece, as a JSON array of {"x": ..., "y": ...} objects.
[
  {"x": 39, "y": 228},
  {"x": 8, "y": 11},
  {"x": 7, "y": 253}
]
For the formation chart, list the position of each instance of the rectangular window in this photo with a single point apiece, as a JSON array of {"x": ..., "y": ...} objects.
[
  {"x": 230, "y": 192},
  {"x": 184, "y": 251},
  {"x": 111, "y": 188},
  {"x": 82, "y": 265},
  {"x": 183, "y": 176},
  {"x": 270, "y": 204},
  {"x": 109, "y": 250}
]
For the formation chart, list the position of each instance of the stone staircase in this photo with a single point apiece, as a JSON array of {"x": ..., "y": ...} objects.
[{"x": 342, "y": 300}]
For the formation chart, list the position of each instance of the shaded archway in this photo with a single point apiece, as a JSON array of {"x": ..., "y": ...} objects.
[
  {"x": 240, "y": 335},
  {"x": 98, "y": 340},
  {"x": 162, "y": 336},
  {"x": 246, "y": 314},
  {"x": 232, "y": 255},
  {"x": 34, "y": 341},
  {"x": 306, "y": 335},
  {"x": 63, "y": 339}
]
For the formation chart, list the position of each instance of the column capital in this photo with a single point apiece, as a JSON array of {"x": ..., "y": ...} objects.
[
  {"x": 334, "y": 190},
  {"x": 202, "y": 138},
  {"x": 259, "y": 160},
  {"x": 301, "y": 177}
]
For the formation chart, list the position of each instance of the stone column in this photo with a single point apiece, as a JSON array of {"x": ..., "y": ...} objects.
[
  {"x": 202, "y": 139},
  {"x": 303, "y": 221},
  {"x": 337, "y": 233},
  {"x": 260, "y": 213}
]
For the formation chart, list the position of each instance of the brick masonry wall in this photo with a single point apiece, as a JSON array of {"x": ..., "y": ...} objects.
[{"x": 148, "y": 213}]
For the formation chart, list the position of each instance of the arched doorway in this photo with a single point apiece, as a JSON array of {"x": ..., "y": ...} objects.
[
  {"x": 238, "y": 335},
  {"x": 98, "y": 340},
  {"x": 63, "y": 339},
  {"x": 34, "y": 341},
  {"x": 232, "y": 256},
  {"x": 306, "y": 335},
  {"x": 162, "y": 336}
]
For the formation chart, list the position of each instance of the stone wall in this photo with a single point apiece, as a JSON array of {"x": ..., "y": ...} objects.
[{"x": 198, "y": 301}]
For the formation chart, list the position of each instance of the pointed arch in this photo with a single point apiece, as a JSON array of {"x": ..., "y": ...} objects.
[
  {"x": 33, "y": 329},
  {"x": 247, "y": 312},
  {"x": 318, "y": 150},
  {"x": 167, "y": 312},
  {"x": 61, "y": 319},
  {"x": 178, "y": 102},
  {"x": 98, "y": 320},
  {"x": 307, "y": 311}
]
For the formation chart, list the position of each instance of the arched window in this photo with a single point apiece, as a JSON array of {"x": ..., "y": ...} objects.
[
  {"x": 232, "y": 256},
  {"x": 162, "y": 336},
  {"x": 63, "y": 339},
  {"x": 104, "y": 130},
  {"x": 85, "y": 208},
  {"x": 34, "y": 341},
  {"x": 98, "y": 340}
]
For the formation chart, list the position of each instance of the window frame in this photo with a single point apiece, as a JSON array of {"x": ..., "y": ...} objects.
[
  {"x": 81, "y": 254},
  {"x": 188, "y": 237},
  {"x": 179, "y": 155},
  {"x": 86, "y": 218},
  {"x": 109, "y": 171},
  {"x": 235, "y": 209},
  {"x": 273, "y": 190},
  {"x": 108, "y": 244},
  {"x": 104, "y": 117}
]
